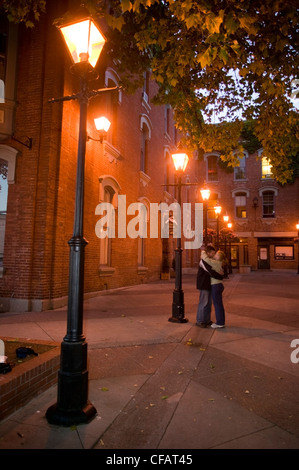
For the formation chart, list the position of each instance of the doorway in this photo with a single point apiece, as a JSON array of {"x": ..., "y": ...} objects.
[{"x": 263, "y": 257}]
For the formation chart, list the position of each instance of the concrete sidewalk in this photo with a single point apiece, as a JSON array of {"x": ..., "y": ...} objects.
[{"x": 161, "y": 385}]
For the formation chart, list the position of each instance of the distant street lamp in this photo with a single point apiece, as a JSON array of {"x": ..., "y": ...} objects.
[
  {"x": 205, "y": 194},
  {"x": 180, "y": 161},
  {"x": 85, "y": 43},
  {"x": 297, "y": 227},
  {"x": 217, "y": 210}
]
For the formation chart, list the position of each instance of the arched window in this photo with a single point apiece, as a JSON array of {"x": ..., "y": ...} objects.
[
  {"x": 212, "y": 166},
  {"x": 3, "y": 204},
  {"x": 108, "y": 193},
  {"x": 8, "y": 60},
  {"x": 268, "y": 204},
  {"x": 145, "y": 91},
  {"x": 240, "y": 171},
  {"x": 113, "y": 100},
  {"x": 167, "y": 169},
  {"x": 7, "y": 176},
  {"x": 167, "y": 119},
  {"x": 105, "y": 243},
  {"x": 265, "y": 166},
  {"x": 240, "y": 197},
  {"x": 141, "y": 240},
  {"x": 145, "y": 127},
  {"x": 240, "y": 205},
  {"x": 3, "y": 48}
]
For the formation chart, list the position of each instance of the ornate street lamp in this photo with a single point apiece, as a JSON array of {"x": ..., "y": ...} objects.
[
  {"x": 217, "y": 210},
  {"x": 205, "y": 194},
  {"x": 180, "y": 161},
  {"x": 85, "y": 42},
  {"x": 297, "y": 227}
]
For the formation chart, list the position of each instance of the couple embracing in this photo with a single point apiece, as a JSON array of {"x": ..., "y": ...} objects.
[{"x": 209, "y": 283}]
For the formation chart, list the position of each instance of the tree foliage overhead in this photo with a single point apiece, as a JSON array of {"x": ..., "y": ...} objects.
[
  {"x": 23, "y": 11},
  {"x": 233, "y": 59}
]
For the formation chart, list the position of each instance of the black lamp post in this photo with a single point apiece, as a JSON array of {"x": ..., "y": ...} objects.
[
  {"x": 217, "y": 210},
  {"x": 178, "y": 307},
  {"x": 225, "y": 219},
  {"x": 229, "y": 226},
  {"x": 85, "y": 43},
  {"x": 205, "y": 194}
]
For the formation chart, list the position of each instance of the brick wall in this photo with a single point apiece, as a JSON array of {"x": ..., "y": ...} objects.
[
  {"x": 40, "y": 208},
  {"x": 28, "y": 380}
]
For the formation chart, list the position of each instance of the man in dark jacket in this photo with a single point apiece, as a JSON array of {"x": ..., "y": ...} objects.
[{"x": 203, "y": 284}]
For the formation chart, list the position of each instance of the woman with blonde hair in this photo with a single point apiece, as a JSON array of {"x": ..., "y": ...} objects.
[{"x": 217, "y": 286}]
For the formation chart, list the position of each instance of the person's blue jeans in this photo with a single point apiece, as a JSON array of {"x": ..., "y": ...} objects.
[
  {"x": 203, "y": 314},
  {"x": 216, "y": 290}
]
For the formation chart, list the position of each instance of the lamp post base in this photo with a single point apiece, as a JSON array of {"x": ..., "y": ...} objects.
[
  {"x": 60, "y": 417},
  {"x": 178, "y": 308},
  {"x": 178, "y": 320},
  {"x": 73, "y": 406}
]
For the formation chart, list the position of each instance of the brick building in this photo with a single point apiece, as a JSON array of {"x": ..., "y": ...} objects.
[
  {"x": 38, "y": 157},
  {"x": 263, "y": 213}
]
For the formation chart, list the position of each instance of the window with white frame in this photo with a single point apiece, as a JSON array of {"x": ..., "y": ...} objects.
[
  {"x": 145, "y": 91},
  {"x": 141, "y": 240},
  {"x": 240, "y": 171},
  {"x": 268, "y": 204},
  {"x": 108, "y": 193},
  {"x": 105, "y": 243},
  {"x": 212, "y": 163},
  {"x": 167, "y": 168},
  {"x": 8, "y": 60},
  {"x": 113, "y": 100},
  {"x": 240, "y": 205},
  {"x": 144, "y": 149},
  {"x": 145, "y": 127},
  {"x": 8, "y": 157},
  {"x": 167, "y": 119},
  {"x": 266, "y": 168},
  {"x": 3, "y": 204}
]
